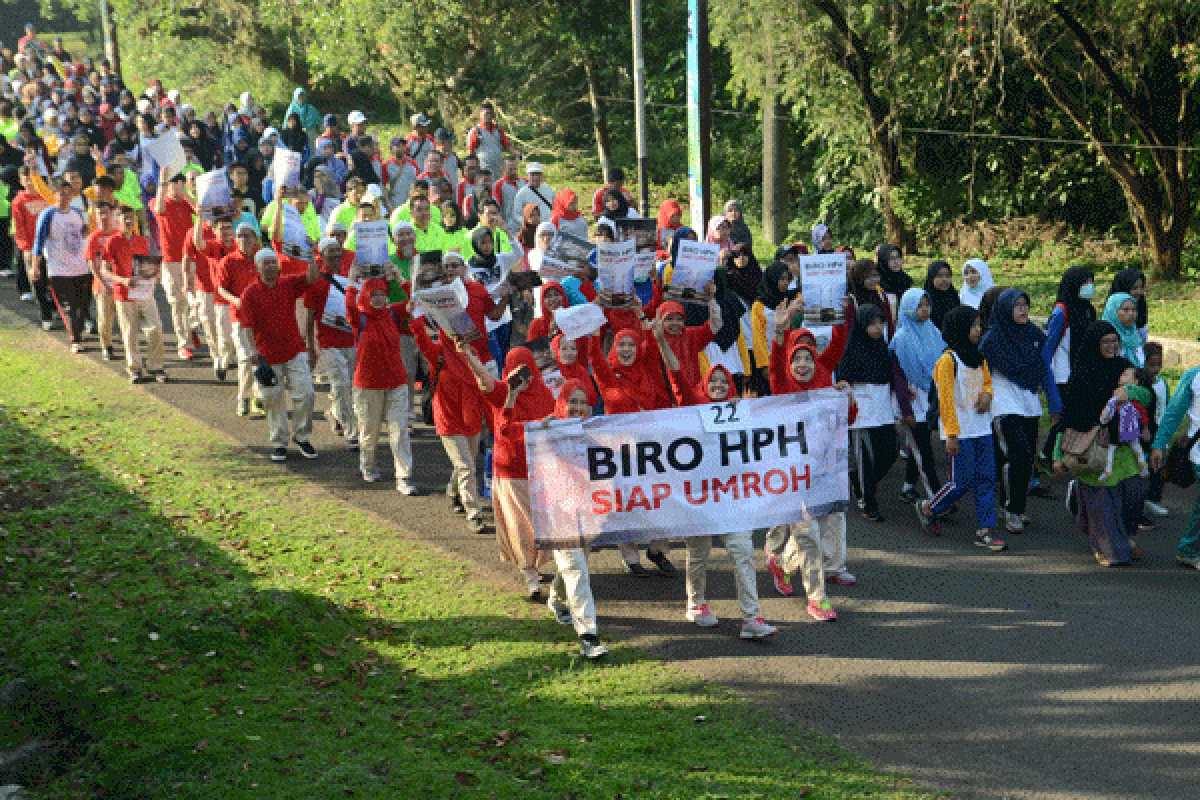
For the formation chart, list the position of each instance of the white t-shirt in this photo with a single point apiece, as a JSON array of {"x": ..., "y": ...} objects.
[
  {"x": 968, "y": 384},
  {"x": 874, "y": 405},
  {"x": 62, "y": 242},
  {"x": 1008, "y": 398}
]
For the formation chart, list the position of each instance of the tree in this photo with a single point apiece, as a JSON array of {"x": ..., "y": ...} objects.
[{"x": 1125, "y": 73}]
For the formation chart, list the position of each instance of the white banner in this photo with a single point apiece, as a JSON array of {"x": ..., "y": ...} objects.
[
  {"x": 614, "y": 271},
  {"x": 167, "y": 152},
  {"x": 576, "y": 322},
  {"x": 285, "y": 168},
  {"x": 823, "y": 284},
  {"x": 213, "y": 192},
  {"x": 371, "y": 242},
  {"x": 446, "y": 305},
  {"x": 708, "y": 469},
  {"x": 695, "y": 266},
  {"x": 296, "y": 242}
]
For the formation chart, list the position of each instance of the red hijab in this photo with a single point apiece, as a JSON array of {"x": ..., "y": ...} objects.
[
  {"x": 701, "y": 390},
  {"x": 576, "y": 371},
  {"x": 560, "y": 210},
  {"x": 637, "y": 378},
  {"x": 821, "y": 378},
  {"x": 536, "y": 402},
  {"x": 572, "y": 385},
  {"x": 668, "y": 209}
]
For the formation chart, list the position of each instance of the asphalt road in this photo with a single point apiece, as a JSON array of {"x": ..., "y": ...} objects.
[{"x": 1032, "y": 673}]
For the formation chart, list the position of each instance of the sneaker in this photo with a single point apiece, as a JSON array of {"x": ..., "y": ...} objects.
[
  {"x": 107, "y": 353},
  {"x": 279, "y": 454},
  {"x": 456, "y": 504},
  {"x": 219, "y": 373},
  {"x": 243, "y": 409},
  {"x": 926, "y": 519},
  {"x": 1013, "y": 522},
  {"x": 257, "y": 409},
  {"x": 306, "y": 449},
  {"x": 196, "y": 343},
  {"x": 984, "y": 538},
  {"x": 6, "y": 273},
  {"x": 405, "y": 487},
  {"x": 1155, "y": 509},
  {"x": 1192, "y": 562},
  {"x": 590, "y": 647},
  {"x": 338, "y": 430},
  {"x": 1146, "y": 524},
  {"x": 822, "y": 611},
  {"x": 533, "y": 585},
  {"x": 1072, "y": 501},
  {"x": 702, "y": 616},
  {"x": 77, "y": 347},
  {"x": 842, "y": 578},
  {"x": 562, "y": 614},
  {"x": 476, "y": 525},
  {"x": 352, "y": 443},
  {"x": 48, "y": 325},
  {"x": 185, "y": 354},
  {"x": 160, "y": 375},
  {"x": 91, "y": 327},
  {"x": 662, "y": 562},
  {"x": 370, "y": 476},
  {"x": 635, "y": 569},
  {"x": 135, "y": 375},
  {"x": 909, "y": 493},
  {"x": 27, "y": 297},
  {"x": 757, "y": 628},
  {"x": 783, "y": 581}
]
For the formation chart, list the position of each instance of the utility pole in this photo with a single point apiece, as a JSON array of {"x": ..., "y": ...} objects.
[
  {"x": 639, "y": 96},
  {"x": 774, "y": 157},
  {"x": 699, "y": 105},
  {"x": 112, "y": 50}
]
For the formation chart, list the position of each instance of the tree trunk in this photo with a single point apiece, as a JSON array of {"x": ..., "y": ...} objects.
[
  {"x": 599, "y": 116},
  {"x": 774, "y": 158}
]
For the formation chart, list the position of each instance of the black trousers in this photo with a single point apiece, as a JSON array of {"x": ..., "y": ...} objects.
[
  {"x": 73, "y": 295},
  {"x": 1015, "y": 440},
  {"x": 1055, "y": 430},
  {"x": 873, "y": 451},
  {"x": 912, "y": 472}
]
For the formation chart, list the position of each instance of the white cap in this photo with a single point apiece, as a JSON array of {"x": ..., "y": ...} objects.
[
  {"x": 356, "y": 118},
  {"x": 334, "y": 227},
  {"x": 418, "y": 119},
  {"x": 143, "y": 105},
  {"x": 373, "y": 190},
  {"x": 325, "y": 242},
  {"x": 173, "y": 94},
  {"x": 245, "y": 226},
  {"x": 270, "y": 133},
  {"x": 533, "y": 167},
  {"x": 262, "y": 255},
  {"x": 401, "y": 225}
]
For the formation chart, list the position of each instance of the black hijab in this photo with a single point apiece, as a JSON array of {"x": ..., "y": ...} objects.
[
  {"x": 1080, "y": 312},
  {"x": 1124, "y": 281},
  {"x": 942, "y": 300},
  {"x": 294, "y": 139},
  {"x": 743, "y": 281},
  {"x": 866, "y": 360},
  {"x": 1093, "y": 379},
  {"x": 858, "y": 288},
  {"x": 204, "y": 146},
  {"x": 890, "y": 281},
  {"x": 623, "y": 205},
  {"x": 768, "y": 287},
  {"x": 483, "y": 267},
  {"x": 956, "y": 330}
]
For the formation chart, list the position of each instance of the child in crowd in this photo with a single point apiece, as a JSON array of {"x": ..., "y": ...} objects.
[
  {"x": 1153, "y": 380},
  {"x": 1128, "y": 423}
]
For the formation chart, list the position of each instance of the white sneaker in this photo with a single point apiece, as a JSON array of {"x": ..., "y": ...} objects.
[
  {"x": 405, "y": 487},
  {"x": 702, "y": 616},
  {"x": 1013, "y": 522},
  {"x": 590, "y": 647},
  {"x": 27, "y": 297},
  {"x": 757, "y": 628},
  {"x": 370, "y": 476},
  {"x": 1155, "y": 509}
]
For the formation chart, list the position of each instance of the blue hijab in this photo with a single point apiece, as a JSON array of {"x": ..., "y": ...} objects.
[
  {"x": 1131, "y": 340},
  {"x": 1012, "y": 350},
  {"x": 917, "y": 345}
]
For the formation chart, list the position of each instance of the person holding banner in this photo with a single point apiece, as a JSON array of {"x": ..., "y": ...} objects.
[
  {"x": 329, "y": 337},
  {"x": 875, "y": 377},
  {"x": 572, "y": 363},
  {"x": 803, "y": 546},
  {"x": 522, "y": 397},
  {"x": 715, "y": 387}
]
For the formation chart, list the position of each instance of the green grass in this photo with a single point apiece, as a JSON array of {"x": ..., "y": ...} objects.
[{"x": 223, "y": 629}]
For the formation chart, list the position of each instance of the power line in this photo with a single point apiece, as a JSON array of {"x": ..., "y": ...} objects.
[{"x": 1009, "y": 137}]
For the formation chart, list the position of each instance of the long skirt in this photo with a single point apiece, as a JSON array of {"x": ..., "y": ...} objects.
[
  {"x": 1109, "y": 515},
  {"x": 514, "y": 523}
]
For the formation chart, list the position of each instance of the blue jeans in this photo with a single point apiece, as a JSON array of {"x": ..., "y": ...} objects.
[
  {"x": 498, "y": 344},
  {"x": 972, "y": 470}
]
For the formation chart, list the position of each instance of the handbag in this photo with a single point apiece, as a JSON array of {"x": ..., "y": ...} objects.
[
  {"x": 1085, "y": 451},
  {"x": 1179, "y": 469}
]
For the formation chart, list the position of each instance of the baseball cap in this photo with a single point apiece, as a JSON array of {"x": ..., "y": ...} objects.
[
  {"x": 373, "y": 190},
  {"x": 331, "y": 120},
  {"x": 401, "y": 225},
  {"x": 533, "y": 167},
  {"x": 356, "y": 118},
  {"x": 419, "y": 119},
  {"x": 269, "y": 132},
  {"x": 334, "y": 227}
]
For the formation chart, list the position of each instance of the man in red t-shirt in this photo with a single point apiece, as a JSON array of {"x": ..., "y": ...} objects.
[
  {"x": 232, "y": 275},
  {"x": 93, "y": 251},
  {"x": 201, "y": 253},
  {"x": 327, "y": 334},
  {"x": 175, "y": 211},
  {"x": 27, "y": 205},
  {"x": 268, "y": 313},
  {"x": 479, "y": 305},
  {"x": 133, "y": 288}
]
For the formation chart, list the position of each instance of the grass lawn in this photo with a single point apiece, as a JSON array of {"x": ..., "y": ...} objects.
[{"x": 219, "y": 628}]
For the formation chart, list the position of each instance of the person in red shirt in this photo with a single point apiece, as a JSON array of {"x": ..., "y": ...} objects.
[
  {"x": 268, "y": 314},
  {"x": 329, "y": 337},
  {"x": 688, "y": 342},
  {"x": 380, "y": 380},
  {"x": 27, "y": 205},
  {"x": 175, "y": 211},
  {"x": 106, "y": 304},
  {"x": 201, "y": 253},
  {"x": 616, "y": 181},
  {"x": 480, "y": 305},
  {"x": 137, "y": 310},
  {"x": 233, "y": 274}
]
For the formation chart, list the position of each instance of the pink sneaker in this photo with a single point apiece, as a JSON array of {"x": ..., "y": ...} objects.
[
  {"x": 783, "y": 581},
  {"x": 185, "y": 354},
  {"x": 757, "y": 628},
  {"x": 822, "y": 611},
  {"x": 702, "y": 616}
]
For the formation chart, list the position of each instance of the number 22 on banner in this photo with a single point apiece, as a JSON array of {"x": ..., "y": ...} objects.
[{"x": 717, "y": 417}]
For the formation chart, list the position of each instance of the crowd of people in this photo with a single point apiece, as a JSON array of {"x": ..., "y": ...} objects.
[{"x": 94, "y": 225}]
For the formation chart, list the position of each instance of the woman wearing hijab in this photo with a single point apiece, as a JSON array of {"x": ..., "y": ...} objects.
[
  {"x": 670, "y": 218},
  {"x": 1132, "y": 281},
  {"x": 718, "y": 233},
  {"x": 531, "y": 221},
  {"x": 310, "y": 118},
  {"x": 893, "y": 280},
  {"x": 773, "y": 294},
  {"x": 565, "y": 214},
  {"x": 939, "y": 287},
  {"x": 572, "y": 363},
  {"x": 204, "y": 146},
  {"x": 553, "y": 298},
  {"x": 739, "y": 231},
  {"x": 293, "y": 135},
  {"x": 1072, "y": 314},
  {"x": 987, "y": 302},
  {"x": 616, "y": 205},
  {"x": 865, "y": 289},
  {"x": 918, "y": 345},
  {"x": 822, "y": 239},
  {"x": 1107, "y": 512},
  {"x": 1120, "y": 311},
  {"x": 875, "y": 377},
  {"x": 717, "y": 386},
  {"x": 485, "y": 269},
  {"x": 628, "y": 379},
  {"x": 977, "y": 279},
  {"x": 965, "y": 396},
  {"x": 1014, "y": 348}
]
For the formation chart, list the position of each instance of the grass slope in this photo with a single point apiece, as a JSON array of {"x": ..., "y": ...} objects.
[{"x": 222, "y": 629}]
